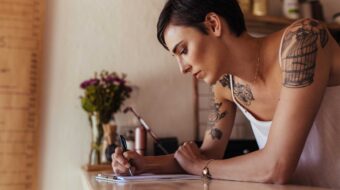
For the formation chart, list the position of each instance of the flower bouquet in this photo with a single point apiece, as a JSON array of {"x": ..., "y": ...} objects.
[{"x": 103, "y": 96}]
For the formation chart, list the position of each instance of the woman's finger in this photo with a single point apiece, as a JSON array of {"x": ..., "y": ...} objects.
[
  {"x": 118, "y": 156},
  {"x": 119, "y": 169}
]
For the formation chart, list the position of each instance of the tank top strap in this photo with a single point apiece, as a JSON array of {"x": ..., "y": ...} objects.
[{"x": 231, "y": 80}]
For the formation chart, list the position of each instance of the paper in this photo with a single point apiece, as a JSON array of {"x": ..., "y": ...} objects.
[{"x": 144, "y": 177}]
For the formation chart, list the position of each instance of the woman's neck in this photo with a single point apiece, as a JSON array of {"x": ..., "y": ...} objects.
[{"x": 244, "y": 57}]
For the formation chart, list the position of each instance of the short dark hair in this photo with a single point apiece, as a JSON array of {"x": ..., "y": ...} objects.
[{"x": 193, "y": 13}]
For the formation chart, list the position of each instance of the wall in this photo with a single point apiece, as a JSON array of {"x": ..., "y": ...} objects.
[{"x": 84, "y": 36}]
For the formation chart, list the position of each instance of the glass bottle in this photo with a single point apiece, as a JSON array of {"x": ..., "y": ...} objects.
[
  {"x": 260, "y": 7},
  {"x": 130, "y": 141},
  {"x": 245, "y": 6},
  {"x": 140, "y": 140},
  {"x": 291, "y": 9}
]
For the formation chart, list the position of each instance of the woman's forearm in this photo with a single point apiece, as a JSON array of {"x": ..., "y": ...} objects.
[
  {"x": 253, "y": 167},
  {"x": 165, "y": 164}
]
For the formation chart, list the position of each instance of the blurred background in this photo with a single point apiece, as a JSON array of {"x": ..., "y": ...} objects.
[
  {"x": 81, "y": 37},
  {"x": 84, "y": 36}
]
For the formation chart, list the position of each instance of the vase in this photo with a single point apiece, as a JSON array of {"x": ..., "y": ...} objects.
[
  {"x": 96, "y": 139},
  {"x": 109, "y": 139}
]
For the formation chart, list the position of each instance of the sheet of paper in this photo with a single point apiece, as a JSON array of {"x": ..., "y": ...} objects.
[{"x": 145, "y": 177}]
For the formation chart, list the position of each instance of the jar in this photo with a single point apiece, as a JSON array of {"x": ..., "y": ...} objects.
[
  {"x": 260, "y": 7},
  {"x": 130, "y": 140},
  {"x": 245, "y": 5},
  {"x": 140, "y": 140},
  {"x": 291, "y": 9}
]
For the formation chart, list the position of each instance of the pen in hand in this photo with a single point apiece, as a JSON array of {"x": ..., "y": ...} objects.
[{"x": 124, "y": 146}]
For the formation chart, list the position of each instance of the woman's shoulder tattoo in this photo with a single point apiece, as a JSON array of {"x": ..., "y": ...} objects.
[{"x": 299, "y": 52}]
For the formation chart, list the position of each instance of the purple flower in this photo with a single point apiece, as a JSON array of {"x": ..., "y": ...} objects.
[
  {"x": 88, "y": 83},
  {"x": 128, "y": 89},
  {"x": 109, "y": 80},
  {"x": 120, "y": 81}
]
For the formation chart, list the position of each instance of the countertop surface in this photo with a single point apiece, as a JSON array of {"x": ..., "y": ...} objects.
[{"x": 90, "y": 183}]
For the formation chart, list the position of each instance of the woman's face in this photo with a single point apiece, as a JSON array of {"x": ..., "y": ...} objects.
[{"x": 195, "y": 52}]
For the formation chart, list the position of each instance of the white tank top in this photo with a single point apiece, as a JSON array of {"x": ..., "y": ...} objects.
[{"x": 319, "y": 164}]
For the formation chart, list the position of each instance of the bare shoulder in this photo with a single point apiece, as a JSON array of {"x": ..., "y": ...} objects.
[
  {"x": 301, "y": 44},
  {"x": 303, "y": 28}
]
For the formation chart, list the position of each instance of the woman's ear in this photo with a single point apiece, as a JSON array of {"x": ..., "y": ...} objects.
[{"x": 213, "y": 24}]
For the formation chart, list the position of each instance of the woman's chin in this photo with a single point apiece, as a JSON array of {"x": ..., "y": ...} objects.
[{"x": 209, "y": 80}]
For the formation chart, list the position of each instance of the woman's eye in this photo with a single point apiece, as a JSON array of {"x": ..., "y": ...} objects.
[{"x": 183, "y": 51}]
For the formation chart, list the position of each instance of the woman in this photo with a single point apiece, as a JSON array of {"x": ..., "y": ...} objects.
[{"x": 285, "y": 84}]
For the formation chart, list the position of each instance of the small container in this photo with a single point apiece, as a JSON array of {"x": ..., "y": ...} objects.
[
  {"x": 260, "y": 7},
  {"x": 140, "y": 140},
  {"x": 291, "y": 9},
  {"x": 130, "y": 140},
  {"x": 245, "y": 6}
]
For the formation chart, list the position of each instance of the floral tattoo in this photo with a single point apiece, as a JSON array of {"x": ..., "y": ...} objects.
[
  {"x": 216, "y": 133},
  {"x": 243, "y": 93},
  {"x": 214, "y": 117}
]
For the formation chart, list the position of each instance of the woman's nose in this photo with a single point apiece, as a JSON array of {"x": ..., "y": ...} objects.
[{"x": 185, "y": 68}]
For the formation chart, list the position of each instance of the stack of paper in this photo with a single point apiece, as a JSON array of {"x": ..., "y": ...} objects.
[{"x": 144, "y": 177}]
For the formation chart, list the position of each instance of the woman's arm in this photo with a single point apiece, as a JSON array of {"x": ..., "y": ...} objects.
[
  {"x": 305, "y": 70},
  {"x": 215, "y": 141},
  {"x": 220, "y": 123},
  {"x": 121, "y": 162}
]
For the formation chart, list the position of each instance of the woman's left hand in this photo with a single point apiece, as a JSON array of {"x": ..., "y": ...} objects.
[{"x": 190, "y": 158}]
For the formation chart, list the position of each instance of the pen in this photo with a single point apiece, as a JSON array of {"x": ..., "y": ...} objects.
[{"x": 124, "y": 146}]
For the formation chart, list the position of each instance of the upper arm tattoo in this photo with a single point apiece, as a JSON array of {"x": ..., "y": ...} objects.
[
  {"x": 216, "y": 115},
  {"x": 299, "y": 52}
]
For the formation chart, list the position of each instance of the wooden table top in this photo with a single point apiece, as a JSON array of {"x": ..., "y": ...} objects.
[{"x": 90, "y": 183}]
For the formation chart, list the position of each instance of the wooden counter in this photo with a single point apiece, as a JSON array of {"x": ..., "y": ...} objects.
[{"x": 90, "y": 183}]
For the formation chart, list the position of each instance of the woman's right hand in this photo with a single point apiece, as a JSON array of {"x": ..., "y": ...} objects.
[{"x": 120, "y": 162}]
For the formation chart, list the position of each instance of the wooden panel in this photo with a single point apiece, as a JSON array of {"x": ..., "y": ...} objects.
[{"x": 20, "y": 63}]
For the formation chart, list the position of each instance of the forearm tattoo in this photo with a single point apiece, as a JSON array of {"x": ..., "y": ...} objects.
[
  {"x": 299, "y": 52},
  {"x": 216, "y": 133},
  {"x": 214, "y": 117}
]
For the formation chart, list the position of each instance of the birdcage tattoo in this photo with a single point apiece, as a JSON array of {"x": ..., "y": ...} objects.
[{"x": 300, "y": 61}]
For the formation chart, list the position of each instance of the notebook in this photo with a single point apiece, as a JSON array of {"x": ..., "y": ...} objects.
[{"x": 144, "y": 177}]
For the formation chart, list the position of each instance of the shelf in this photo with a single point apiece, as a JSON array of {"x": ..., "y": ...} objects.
[
  {"x": 268, "y": 24},
  {"x": 268, "y": 19}
]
